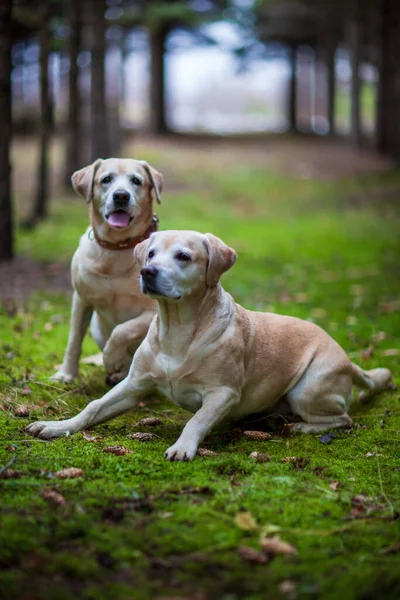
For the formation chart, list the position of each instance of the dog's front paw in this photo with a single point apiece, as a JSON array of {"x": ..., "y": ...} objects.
[
  {"x": 63, "y": 376},
  {"x": 47, "y": 430},
  {"x": 181, "y": 451}
]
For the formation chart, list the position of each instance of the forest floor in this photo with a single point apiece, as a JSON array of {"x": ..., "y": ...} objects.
[{"x": 316, "y": 227}]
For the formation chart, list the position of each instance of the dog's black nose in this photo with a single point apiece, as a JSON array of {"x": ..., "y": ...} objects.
[
  {"x": 121, "y": 197},
  {"x": 149, "y": 272}
]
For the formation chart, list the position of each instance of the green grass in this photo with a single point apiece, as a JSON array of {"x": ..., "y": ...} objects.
[{"x": 136, "y": 526}]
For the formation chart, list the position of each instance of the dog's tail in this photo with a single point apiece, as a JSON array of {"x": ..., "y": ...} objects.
[{"x": 373, "y": 381}]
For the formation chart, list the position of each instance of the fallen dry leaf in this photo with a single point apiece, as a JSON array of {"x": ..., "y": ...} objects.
[
  {"x": 391, "y": 352},
  {"x": 260, "y": 457},
  {"x": 356, "y": 290},
  {"x": 301, "y": 297},
  {"x": 89, "y": 437},
  {"x": 149, "y": 422},
  {"x": 366, "y": 353},
  {"x": 362, "y": 506},
  {"x": 11, "y": 474},
  {"x": 117, "y": 450},
  {"x": 22, "y": 411},
  {"x": 287, "y": 587},
  {"x": 252, "y": 556},
  {"x": 11, "y": 448},
  {"x": 334, "y": 485},
  {"x": 318, "y": 313},
  {"x": 70, "y": 473},
  {"x": 206, "y": 452},
  {"x": 369, "y": 454},
  {"x": 142, "y": 437},
  {"x": 351, "y": 320},
  {"x": 54, "y": 497},
  {"x": 245, "y": 521},
  {"x": 274, "y": 545},
  {"x": 390, "y": 307},
  {"x": 379, "y": 337},
  {"x": 257, "y": 435},
  {"x": 48, "y": 326}
]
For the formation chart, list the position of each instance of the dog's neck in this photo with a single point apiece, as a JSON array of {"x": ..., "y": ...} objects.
[
  {"x": 104, "y": 232},
  {"x": 195, "y": 317}
]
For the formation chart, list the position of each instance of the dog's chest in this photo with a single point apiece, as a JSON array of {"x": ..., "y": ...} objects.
[
  {"x": 174, "y": 380},
  {"x": 110, "y": 290}
]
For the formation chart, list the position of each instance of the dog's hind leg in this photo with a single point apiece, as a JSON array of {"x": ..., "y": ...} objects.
[
  {"x": 122, "y": 344},
  {"x": 320, "y": 398},
  {"x": 100, "y": 338}
]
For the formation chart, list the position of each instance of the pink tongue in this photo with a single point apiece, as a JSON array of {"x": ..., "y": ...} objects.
[{"x": 119, "y": 219}]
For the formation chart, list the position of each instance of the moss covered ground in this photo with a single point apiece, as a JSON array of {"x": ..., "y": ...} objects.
[{"x": 136, "y": 526}]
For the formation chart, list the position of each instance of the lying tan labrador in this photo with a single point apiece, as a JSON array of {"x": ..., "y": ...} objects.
[
  {"x": 105, "y": 275},
  {"x": 214, "y": 358}
]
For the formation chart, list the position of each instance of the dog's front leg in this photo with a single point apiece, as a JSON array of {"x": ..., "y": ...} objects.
[
  {"x": 122, "y": 344},
  {"x": 80, "y": 317},
  {"x": 117, "y": 401},
  {"x": 217, "y": 405}
]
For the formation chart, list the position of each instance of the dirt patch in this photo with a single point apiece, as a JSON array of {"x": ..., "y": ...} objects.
[{"x": 22, "y": 276}]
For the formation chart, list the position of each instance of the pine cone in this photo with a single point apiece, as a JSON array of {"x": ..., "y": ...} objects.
[
  {"x": 143, "y": 437},
  {"x": 206, "y": 452},
  {"x": 149, "y": 422},
  {"x": 257, "y": 435},
  {"x": 117, "y": 450},
  {"x": 71, "y": 473}
]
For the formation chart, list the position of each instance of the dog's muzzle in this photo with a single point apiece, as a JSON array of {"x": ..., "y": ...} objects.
[
  {"x": 120, "y": 217},
  {"x": 149, "y": 275}
]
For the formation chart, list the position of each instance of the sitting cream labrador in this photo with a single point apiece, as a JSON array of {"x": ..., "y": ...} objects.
[
  {"x": 105, "y": 275},
  {"x": 214, "y": 358}
]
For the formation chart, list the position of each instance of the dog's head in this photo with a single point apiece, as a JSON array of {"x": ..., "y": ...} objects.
[
  {"x": 175, "y": 264},
  {"x": 119, "y": 188}
]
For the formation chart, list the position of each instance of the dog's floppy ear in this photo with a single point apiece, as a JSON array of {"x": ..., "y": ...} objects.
[
  {"x": 156, "y": 179},
  {"x": 220, "y": 259},
  {"x": 140, "y": 252},
  {"x": 82, "y": 180}
]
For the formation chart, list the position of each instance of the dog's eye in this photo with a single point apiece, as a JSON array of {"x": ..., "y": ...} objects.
[
  {"x": 106, "y": 179},
  {"x": 150, "y": 254},
  {"x": 136, "y": 181},
  {"x": 183, "y": 257}
]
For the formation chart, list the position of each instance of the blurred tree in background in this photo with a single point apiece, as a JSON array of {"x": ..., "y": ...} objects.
[{"x": 70, "y": 47}]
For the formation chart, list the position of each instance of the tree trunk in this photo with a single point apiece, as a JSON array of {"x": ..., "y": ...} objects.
[
  {"x": 40, "y": 209},
  {"x": 330, "y": 87},
  {"x": 355, "y": 51},
  {"x": 158, "y": 124},
  {"x": 73, "y": 154},
  {"x": 292, "y": 93},
  {"x": 6, "y": 219},
  {"x": 98, "y": 109},
  {"x": 388, "y": 110}
]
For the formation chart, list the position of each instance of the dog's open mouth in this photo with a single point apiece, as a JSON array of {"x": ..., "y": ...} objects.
[{"x": 119, "y": 218}]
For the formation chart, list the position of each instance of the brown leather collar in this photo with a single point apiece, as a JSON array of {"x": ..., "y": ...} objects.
[{"x": 129, "y": 242}]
